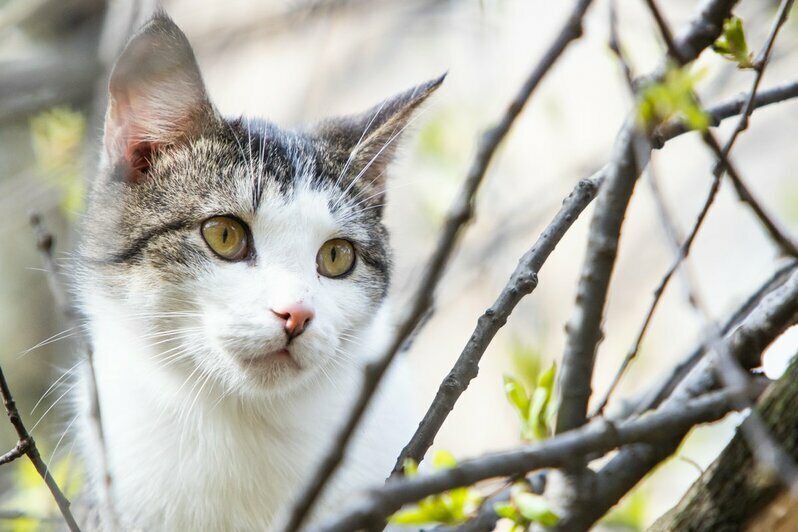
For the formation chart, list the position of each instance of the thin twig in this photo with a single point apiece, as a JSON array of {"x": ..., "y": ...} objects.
[
  {"x": 674, "y": 237},
  {"x": 598, "y": 437},
  {"x": 784, "y": 241},
  {"x": 615, "y": 46},
  {"x": 521, "y": 283},
  {"x": 772, "y": 316},
  {"x": 27, "y": 446},
  {"x": 45, "y": 244},
  {"x": 722, "y": 154},
  {"x": 467, "y": 364},
  {"x": 664, "y": 215},
  {"x": 584, "y": 328},
  {"x": 654, "y": 397},
  {"x": 460, "y": 212}
]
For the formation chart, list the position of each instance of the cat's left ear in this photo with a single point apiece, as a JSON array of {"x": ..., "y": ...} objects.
[
  {"x": 156, "y": 97},
  {"x": 369, "y": 140}
]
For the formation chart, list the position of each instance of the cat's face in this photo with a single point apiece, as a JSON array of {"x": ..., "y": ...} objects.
[{"x": 251, "y": 255}]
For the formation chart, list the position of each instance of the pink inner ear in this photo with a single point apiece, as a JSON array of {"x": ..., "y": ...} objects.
[
  {"x": 123, "y": 136},
  {"x": 139, "y": 157}
]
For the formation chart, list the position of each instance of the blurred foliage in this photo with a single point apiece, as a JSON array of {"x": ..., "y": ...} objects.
[
  {"x": 57, "y": 137},
  {"x": 31, "y": 498},
  {"x": 732, "y": 43},
  {"x": 532, "y": 394},
  {"x": 443, "y": 143},
  {"x": 789, "y": 202},
  {"x": 673, "y": 97},
  {"x": 630, "y": 514},
  {"x": 450, "y": 507},
  {"x": 525, "y": 508},
  {"x": 527, "y": 361}
]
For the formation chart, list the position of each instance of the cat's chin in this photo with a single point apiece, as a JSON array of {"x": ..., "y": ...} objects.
[
  {"x": 272, "y": 372},
  {"x": 271, "y": 362}
]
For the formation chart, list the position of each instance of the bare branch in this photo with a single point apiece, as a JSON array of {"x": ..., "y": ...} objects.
[
  {"x": 466, "y": 367},
  {"x": 776, "y": 233},
  {"x": 521, "y": 283},
  {"x": 734, "y": 491},
  {"x": 44, "y": 243},
  {"x": 777, "y": 311},
  {"x": 460, "y": 212},
  {"x": 631, "y": 154},
  {"x": 766, "y": 322},
  {"x": 727, "y": 109},
  {"x": 654, "y": 397},
  {"x": 765, "y": 449},
  {"x": 27, "y": 446},
  {"x": 598, "y": 437},
  {"x": 674, "y": 237},
  {"x": 784, "y": 241}
]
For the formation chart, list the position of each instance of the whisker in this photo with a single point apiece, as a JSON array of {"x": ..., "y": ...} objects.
[
  {"x": 71, "y": 387},
  {"x": 54, "y": 384}
]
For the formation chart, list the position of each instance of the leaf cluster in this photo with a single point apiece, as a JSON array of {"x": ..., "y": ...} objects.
[
  {"x": 525, "y": 508},
  {"x": 534, "y": 403},
  {"x": 448, "y": 508}
]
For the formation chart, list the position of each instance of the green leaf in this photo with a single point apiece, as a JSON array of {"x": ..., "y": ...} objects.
[
  {"x": 410, "y": 467},
  {"x": 527, "y": 362},
  {"x": 517, "y": 395},
  {"x": 535, "y": 508},
  {"x": 672, "y": 97},
  {"x": 57, "y": 137},
  {"x": 450, "y": 507},
  {"x": 732, "y": 43},
  {"x": 541, "y": 398},
  {"x": 410, "y": 516},
  {"x": 506, "y": 510},
  {"x": 443, "y": 460}
]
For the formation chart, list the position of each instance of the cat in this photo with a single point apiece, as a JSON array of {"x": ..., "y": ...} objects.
[{"x": 233, "y": 276}]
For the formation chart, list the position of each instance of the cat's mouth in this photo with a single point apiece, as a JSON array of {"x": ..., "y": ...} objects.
[{"x": 271, "y": 359}]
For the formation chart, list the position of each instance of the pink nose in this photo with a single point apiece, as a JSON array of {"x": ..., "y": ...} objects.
[{"x": 296, "y": 317}]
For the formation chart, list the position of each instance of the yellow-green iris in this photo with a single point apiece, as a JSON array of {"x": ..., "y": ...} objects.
[
  {"x": 336, "y": 257},
  {"x": 226, "y": 236}
]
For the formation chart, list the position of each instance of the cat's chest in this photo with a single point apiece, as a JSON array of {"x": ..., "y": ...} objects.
[{"x": 221, "y": 473}]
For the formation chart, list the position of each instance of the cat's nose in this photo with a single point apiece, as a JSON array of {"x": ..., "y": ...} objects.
[{"x": 296, "y": 318}]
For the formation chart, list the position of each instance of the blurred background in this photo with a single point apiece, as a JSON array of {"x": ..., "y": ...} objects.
[{"x": 295, "y": 62}]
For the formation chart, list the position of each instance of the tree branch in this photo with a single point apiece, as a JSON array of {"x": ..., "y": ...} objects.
[
  {"x": 734, "y": 490},
  {"x": 460, "y": 212},
  {"x": 723, "y": 164},
  {"x": 27, "y": 446},
  {"x": 466, "y": 367},
  {"x": 767, "y": 321},
  {"x": 521, "y": 283},
  {"x": 584, "y": 328},
  {"x": 654, "y": 397},
  {"x": 45, "y": 243},
  {"x": 778, "y": 235},
  {"x": 598, "y": 437},
  {"x": 772, "y": 316}
]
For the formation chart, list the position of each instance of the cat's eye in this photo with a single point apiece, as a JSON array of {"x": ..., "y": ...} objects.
[
  {"x": 226, "y": 236},
  {"x": 336, "y": 257}
]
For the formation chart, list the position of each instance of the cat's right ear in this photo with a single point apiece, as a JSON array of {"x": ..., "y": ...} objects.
[{"x": 156, "y": 97}]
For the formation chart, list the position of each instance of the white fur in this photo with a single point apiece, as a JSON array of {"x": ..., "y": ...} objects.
[{"x": 206, "y": 441}]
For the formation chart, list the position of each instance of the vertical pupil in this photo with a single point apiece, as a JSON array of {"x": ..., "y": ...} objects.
[
  {"x": 224, "y": 236},
  {"x": 333, "y": 253}
]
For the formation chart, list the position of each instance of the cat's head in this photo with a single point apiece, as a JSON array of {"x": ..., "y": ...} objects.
[{"x": 254, "y": 254}]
